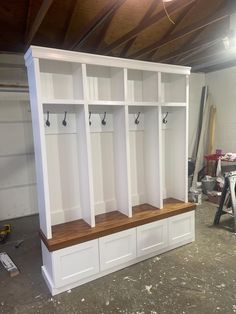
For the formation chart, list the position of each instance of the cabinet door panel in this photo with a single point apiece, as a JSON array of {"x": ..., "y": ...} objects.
[
  {"x": 117, "y": 248},
  {"x": 76, "y": 262},
  {"x": 152, "y": 237},
  {"x": 181, "y": 229}
]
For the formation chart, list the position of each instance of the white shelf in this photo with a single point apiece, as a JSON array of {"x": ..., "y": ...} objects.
[
  {"x": 63, "y": 101},
  {"x": 143, "y": 103},
  {"x": 174, "y": 104},
  {"x": 106, "y": 103}
]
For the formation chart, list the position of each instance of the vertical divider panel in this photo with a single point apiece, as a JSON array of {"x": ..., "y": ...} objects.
[
  {"x": 121, "y": 148},
  {"x": 39, "y": 148},
  {"x": 186, "y": 138},
  {"x": 152, "y": 161},
  {"x": 122, "y": 154},
  {"x": 85, "y": 164},
  {"x": 160, "y": 146}
]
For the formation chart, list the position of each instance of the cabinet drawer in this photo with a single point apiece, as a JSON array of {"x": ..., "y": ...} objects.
[
  {"x": 117, "y": 248},
  {"x": 75, "y": 262},
  {"x": 181, "y": 229},
  {"x": 152, "y": 237}
]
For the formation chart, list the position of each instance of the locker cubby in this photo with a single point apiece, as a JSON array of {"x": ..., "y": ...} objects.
[
  {"x": 109, "y": 159},
  {"x": 61, "y": 80},
  {"x": 142, "y": 86},
  {"x": 173, "y": 88},
  {"x": 144, "y": 155},
  {"x": 105, "y": 83},
  {"x": 174, "y": 153},
  {"x": 63, "y": 142}
]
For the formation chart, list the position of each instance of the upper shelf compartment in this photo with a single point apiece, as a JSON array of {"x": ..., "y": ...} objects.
[
  {"x": 142, "y": 87},
  {"x": 105, "y": 83},
  {"x": 61, "y": 81},
  {"x": 173, "y": 88}
]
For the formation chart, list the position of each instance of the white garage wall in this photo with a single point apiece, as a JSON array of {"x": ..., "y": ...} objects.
[
  {"x": 222, "y": 86},
  {"x": 17, "y": 171},
  {"x": 18, "y": 195}
]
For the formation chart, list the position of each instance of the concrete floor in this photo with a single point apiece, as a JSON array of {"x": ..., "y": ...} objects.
[{"x": 197, "y": 278}]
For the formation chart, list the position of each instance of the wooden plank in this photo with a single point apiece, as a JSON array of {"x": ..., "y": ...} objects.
[
  {"x": 222, "y": 14},
  {"x": 79, "y": 231},
  {"x": 97, "y": 21},
  {"x": 45, "y": 6},
  {"x": 177, "y": 5},
  {"x": 146, "y": 15},
  {"x": 189, "y": 47}
]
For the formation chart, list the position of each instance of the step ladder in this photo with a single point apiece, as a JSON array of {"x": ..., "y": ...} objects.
[{"x": 228, "y": 199}]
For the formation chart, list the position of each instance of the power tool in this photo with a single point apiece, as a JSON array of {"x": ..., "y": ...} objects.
[{"x": 4, "y": 232}]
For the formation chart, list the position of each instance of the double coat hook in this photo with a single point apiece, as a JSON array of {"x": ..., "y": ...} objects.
[
  {"x": 47, "y": 121},
  {"x": 104, "y": 119},
  {"x": 64, "y": 122},
  {"x": 136, "y": 121}
]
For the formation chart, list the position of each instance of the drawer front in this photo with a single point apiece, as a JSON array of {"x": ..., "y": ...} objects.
[
  {"x": 152, "y": 237},
  {"x": 181, "y": 228},
  {"x": 75, "y": 263},
  {"x": 117, "y": 248}
]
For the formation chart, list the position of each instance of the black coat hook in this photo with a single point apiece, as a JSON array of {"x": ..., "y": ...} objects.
[
  {"x": 136, "y": 121},
  {"x": 47, "y": 121},
  {"x": 90, "y": 117},
  {"x": 64, "y": 122},
  {"x": 164, "y": 120},
  {"x": 104, "y": 119}
]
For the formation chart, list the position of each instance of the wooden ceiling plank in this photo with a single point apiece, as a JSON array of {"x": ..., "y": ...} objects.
[
  {"x": 28, "y": 16},
  {"x": 219, "y": 15},
  {"x": 147, "y": 14},
  {"x": 99, "y": 40},
  {"x": 45, "y": 6},
  {"x": 189, "y": 46},
  {"x": 172, "y": 8},
  {"x": 100, "y": 18},
  {"x": 172, "y": 28},
  {"x": 70, "y": 22}
]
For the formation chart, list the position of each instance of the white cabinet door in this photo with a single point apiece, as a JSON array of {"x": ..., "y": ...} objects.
[
  {"x": 181, "y": 229},
  {"x": 152, "y": 237},
  {"x": 117, "y": 248},
  {"x": 75, "y": 263}
]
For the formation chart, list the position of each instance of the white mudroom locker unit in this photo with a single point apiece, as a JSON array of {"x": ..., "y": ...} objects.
[{"x": 110, "y": 139}]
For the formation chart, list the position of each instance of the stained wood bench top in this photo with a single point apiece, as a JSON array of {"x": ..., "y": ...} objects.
[{"x": 78, "y": 231}]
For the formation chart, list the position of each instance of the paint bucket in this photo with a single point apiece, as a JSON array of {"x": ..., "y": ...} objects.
[
  {"x": 196, "y": 196},
  {"x": 208, "y": 184}
]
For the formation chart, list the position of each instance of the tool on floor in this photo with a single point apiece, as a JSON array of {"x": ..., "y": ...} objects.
[
  {"x": 8, "y": 264},
  {"x": 228, "y": 199},
  {"x": 4, "y": 232}
]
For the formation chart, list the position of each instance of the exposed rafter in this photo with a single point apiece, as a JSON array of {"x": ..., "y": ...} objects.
[
  {"x": 100, "y": 18},
  {"x": 46, "y": 4},
  {"x": 172, "y": 8},
  {"x": 219, "y": 15}
]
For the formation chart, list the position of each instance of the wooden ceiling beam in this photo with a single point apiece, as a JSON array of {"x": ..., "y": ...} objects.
[
  {"x": 219, "y": 15},
  {"x": 172, "y": 8},
  {"x": 100, "y": 18},
  {"x": 45, "y": 6}
]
